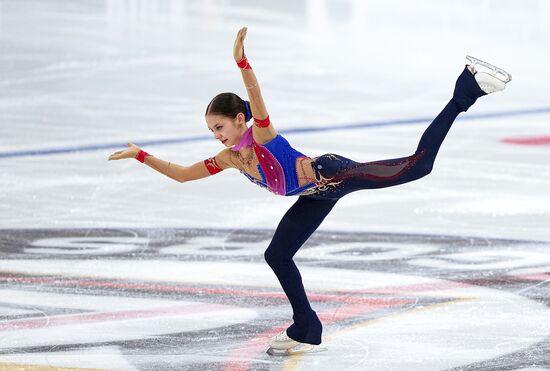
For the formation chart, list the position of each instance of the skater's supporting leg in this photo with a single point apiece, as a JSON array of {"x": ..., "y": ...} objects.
[{"x": 299, "y": 222}]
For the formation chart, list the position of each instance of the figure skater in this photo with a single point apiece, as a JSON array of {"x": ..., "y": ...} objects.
[{"x": 268, "y": 160}]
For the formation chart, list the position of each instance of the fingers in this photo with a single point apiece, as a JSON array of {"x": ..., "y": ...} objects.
[
  {"x": 117, "y": 155},
  {"x": 238, "y": 48},
  {"x": 241, "y": 35}
]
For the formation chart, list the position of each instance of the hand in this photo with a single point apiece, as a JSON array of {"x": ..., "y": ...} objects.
[
  {"x": 238, "y": 47},
  {"x": 130, "y": 152}
]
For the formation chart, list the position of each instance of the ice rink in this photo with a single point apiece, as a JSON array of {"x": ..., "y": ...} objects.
[{"x": 109, "y": 265}]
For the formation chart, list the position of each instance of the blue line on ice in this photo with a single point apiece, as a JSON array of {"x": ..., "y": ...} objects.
[{"x": 363, "y": 125}]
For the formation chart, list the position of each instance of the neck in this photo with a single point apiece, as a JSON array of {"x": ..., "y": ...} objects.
[{"x": 245, "y": 140}]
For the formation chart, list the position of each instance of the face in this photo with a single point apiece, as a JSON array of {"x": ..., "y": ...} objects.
[{"x": 227, "y": 131}]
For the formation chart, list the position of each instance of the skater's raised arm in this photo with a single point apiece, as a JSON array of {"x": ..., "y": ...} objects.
[
  {"x": 179, "y": 173},
  {"x": 262, "y": 128}
]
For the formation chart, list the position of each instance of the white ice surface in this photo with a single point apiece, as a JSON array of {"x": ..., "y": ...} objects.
[{"x": 101, "y": 358}]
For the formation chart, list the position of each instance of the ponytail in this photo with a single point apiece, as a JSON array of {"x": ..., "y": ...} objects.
[{"x": 248, "y": 112}]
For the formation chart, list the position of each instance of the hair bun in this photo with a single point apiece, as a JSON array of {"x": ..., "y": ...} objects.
[{"x": 247, "y": 112}]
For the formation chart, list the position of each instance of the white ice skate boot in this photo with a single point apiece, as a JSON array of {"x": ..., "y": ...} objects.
[
  {"x": 282, "y": 345},
  {"x": 489, "y": 78}
]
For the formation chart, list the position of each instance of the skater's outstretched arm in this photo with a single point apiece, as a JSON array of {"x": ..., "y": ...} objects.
[
  {"x": 263, "y": 130},
  {"x": 177, "y": 172}
]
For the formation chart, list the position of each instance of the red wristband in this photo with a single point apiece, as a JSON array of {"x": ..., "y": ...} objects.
[
  {"x": 262, "y": 123},
  {"x": 243, "y": 63},
  {"x": 141, "y": 156}
]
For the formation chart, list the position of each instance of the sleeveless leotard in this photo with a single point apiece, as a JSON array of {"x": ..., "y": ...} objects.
[{"x": 276, "y": 164}]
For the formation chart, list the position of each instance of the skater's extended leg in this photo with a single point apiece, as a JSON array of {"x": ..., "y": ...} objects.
[
  {"x": 299, "y": 222},
  {"x": 347, "y": 176}
]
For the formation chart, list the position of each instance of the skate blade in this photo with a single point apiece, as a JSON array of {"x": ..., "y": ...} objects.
[
  {"x": 495, "y": 71},
  {"x": 296, "y": 350}
]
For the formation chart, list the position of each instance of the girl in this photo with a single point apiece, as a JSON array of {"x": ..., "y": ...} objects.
[{"x": 267, "y": 159}]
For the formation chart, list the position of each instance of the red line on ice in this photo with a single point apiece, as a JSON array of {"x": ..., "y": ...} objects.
[
  {"x": 185, "y": 289},
  {"x": 76, "y": 319},
  {"x": 533, "y": 141}
]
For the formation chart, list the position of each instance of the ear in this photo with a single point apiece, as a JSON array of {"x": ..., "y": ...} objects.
[{"x": 240, "y": 118}]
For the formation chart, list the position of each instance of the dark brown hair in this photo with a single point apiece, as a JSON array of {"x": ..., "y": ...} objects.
[{"x": 228, "y": 105}]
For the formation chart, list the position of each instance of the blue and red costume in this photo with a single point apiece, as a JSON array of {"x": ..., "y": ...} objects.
[{"x": 336, "y": 176}]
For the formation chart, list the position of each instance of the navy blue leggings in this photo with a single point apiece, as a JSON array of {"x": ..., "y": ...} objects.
[{"x": 342, "y": 176}]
